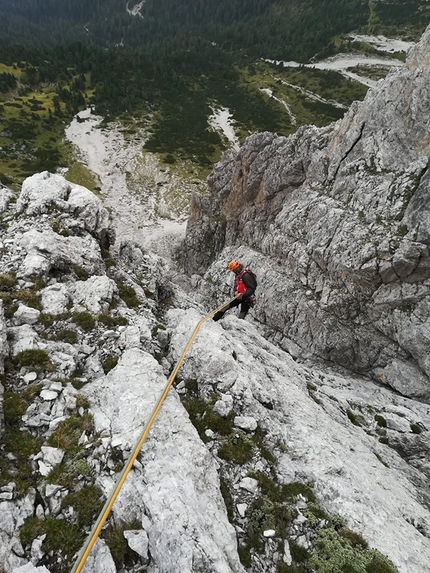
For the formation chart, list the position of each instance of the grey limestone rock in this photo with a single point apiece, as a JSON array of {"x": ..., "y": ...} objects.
[
  {"x": 335, "y": 222},
  {"x": 46, "y": 251},
  {"x": 3, "y": 353},
  {"x": 44, "y": 191},
  {"x": 352, "y": 472},
  {"x": 199, "y": 538},
  {"x": 26, "y": 315},
  {"x": 95, "y": 294},
  {"x": 100, "y": 559}
]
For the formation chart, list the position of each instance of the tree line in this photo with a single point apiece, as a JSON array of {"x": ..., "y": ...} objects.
[{"x": 258, "y": 28}]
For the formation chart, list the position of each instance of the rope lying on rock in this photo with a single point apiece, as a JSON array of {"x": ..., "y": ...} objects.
[{"x": 92, "y": 538}]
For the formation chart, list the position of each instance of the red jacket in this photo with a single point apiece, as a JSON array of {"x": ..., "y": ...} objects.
[{"x": 245, "y": 284}]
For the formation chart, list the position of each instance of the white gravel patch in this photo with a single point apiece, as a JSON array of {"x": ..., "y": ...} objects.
[
  {"x": 132, "y": 187},
  {"x": 342, "y": 62},
  {"x": 383, "y": 44},
  {"x": 222, "y": 120}
]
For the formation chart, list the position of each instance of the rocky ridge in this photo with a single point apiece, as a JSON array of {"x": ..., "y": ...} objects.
[
  {"x": 335, "y": 222},
  {"x": 254, "y": 460}
]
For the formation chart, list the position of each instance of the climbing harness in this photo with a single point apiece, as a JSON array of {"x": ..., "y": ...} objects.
[{"x": 92, "y": 538}]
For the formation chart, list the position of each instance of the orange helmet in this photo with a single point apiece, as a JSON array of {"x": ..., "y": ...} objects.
[{"x": 234, "y": 265}]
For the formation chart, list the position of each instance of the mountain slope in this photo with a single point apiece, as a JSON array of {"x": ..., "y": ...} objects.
[
  {"x": 336, "y": 222},
  {"x": 268, "y": 28}
]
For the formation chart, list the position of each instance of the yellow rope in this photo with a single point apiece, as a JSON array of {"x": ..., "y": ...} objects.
[{"x": 92, "y": 538}]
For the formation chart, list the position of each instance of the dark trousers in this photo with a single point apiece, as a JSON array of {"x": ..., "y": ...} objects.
[{"x": 244, "y": 307}]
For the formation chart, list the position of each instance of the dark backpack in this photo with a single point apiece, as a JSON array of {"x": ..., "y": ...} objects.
[
  {"x": 252, "y": 300},
  {"x": 253, "y": 276}
]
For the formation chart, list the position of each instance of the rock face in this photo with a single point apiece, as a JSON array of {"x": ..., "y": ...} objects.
[
  {"x": 199, "y": 538},
  {"x": 3, "y": 354},
  {"x": 307, "y": 419},
  {"x": 336, "y": 224}
]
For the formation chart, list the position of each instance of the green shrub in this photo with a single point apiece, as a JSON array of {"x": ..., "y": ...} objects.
[
  {"x": 192, "y": 386},
  {"x": 49, "y": 319},
  {"x": 112, "y": 321},
  {"x": 84, "y": 320},
  {"x": 284, "y": 568},
  {"x": 299, "y": 554},
  {"x": 108, "y": 260},
  {"x": 379, "y": 564},
  {"x": 416, "y": 429},
  {"x": 354, "y": 418},
  {"x": 109, "y": 363},
  {"x": 292, "y": 490},
  {"x": 118, "y": 546},
  {"x": 339, "y": 550},
  {"x": 128, "y": 295},
  {"x": 10, "y": 309},
  {"x": 156, "y": 328},
  {"x": 29, "y": 297},
  {"x": 22, "y": 444},
  {"x": 82, "y": 401},
  {"x": 66, "y": 435},
  {"x": 14, "y": 407},
  {"x": 7, "y": 282},
  {"x": 86, "y": 502},
  {"x": 81, "y": 273},
  {"x": 66, "y": 335},
  {"x": 228, "y": 499},
  {"x": 36, "y": 359},
  {"x": 60, "y": 535},
  {"x": 73, "y": 468},
  {"x": 169, "y": 158},
  {"x": 402, "y": 231},
  {"x": 196, "y": 409},
  {"x": 355, "y": 539},
  {"x": 219, "y": 424},
  {"x": 381, "y": 421},
  {"x": 237, "y": 448}
]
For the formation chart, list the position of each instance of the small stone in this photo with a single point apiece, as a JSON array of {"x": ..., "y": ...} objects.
[
  {"x": 300, "y": 519},
  {"x": 138, "y": 541},
  {"x": 116, "y": 441},
  {"x": 249, "y": 484},
  {"x": 287, "y": 553},
  {"x": 52, "y": 489},
  {"x": 56, "y": 387},
  {"x": 10, "y": 487},
  {"x": 40, "y": 512},
  {"x": 224, "y": 406},
  {"x": 52, "y": 456},
  {"x": 241, "y": 508},
  {"x": 247, "y": 423},
  {"x": 269, "y": 533},
  {"x": 43, "y": 468},
  {"x": 26, "y": 315},
  {"x": 48, "y": 395}
]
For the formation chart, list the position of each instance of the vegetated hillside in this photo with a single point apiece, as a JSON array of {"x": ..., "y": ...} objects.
[
  {"x": 172, "y": 94},
  {"x": 169, "y": 65},
  {"x": 293, "y": 29},
  {"x": 284, "y": 28}
]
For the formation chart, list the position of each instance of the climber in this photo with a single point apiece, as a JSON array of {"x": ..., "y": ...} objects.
[{"x": 245, "y": 284}]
